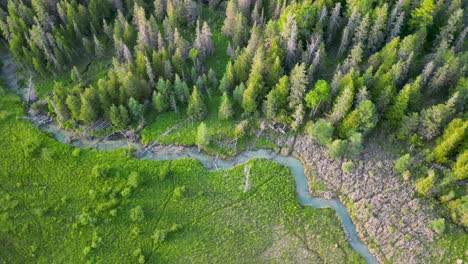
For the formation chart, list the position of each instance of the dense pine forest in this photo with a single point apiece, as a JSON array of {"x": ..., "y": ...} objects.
[{"x": 216, "y": 74}]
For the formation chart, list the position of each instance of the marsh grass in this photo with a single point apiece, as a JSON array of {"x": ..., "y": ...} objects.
[{"x": 60, "y": 204}]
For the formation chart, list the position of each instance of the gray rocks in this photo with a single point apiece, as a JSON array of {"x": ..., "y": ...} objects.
[{"x": 388, "y": 219}]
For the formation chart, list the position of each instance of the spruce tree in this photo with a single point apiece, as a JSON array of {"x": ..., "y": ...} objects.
[
  {"x": 396, "y": 27},
  {"x": 291, "y": 46},
  {"x": 119, "y": 116},
  {"x": 362, "y": 32},
  {"x": 337, "y": 148},
  {"x": 212, "y": 80},
  {"x": 298, "y": 117},
  {"x": 298, "y": 80},
  {"x": 238, "y": 94},
  {"x": 433, "y": 119},
  {"x": 142, "y": 25},
  {"x": 140, "y": 63},
  {"x": 245, "y": 7},
  {"x": 249, "y": 101},
  {"x": 377, "y": 32},
  {"x": 203, "y": 136},
  {"x": 129, "y": 35},
  {"x": 254, "y": 84},
  {"x": 230, "y": 22},
  {"x": 271, "y": 105},
  {"x": 98, "y": 48},
  {"x": 181, "y": 90},
  {"x": 227, "y": 82},
  {"x": 136, "y": 110},
  {"x": 354, "y": 147},
  {"x": 241, "y": 67},
  {"x": 159, "y": 102},
  {"x": 453, "y": 136},
  {"x": 190, "y": 10},
  {"x": 274, "y": 72},
  {"x": 206, "y": 39},
  {"x": 198, "y": 42},
  {"x": 73, "y": 103},
  {"x": 354, "y": 58},
  {"x": 396, "y": 111},
  {"x": 422, "y": 16},
  {"x": 461, "y": 40},
  {"x": 460, "y": 167},
  {"x": 149, "y": 71},
  {"x": 159, "y": 9},
  {"x": 344, "y": 100},
  {"x": 89, "y": 105},
  {"x": 225, "y": 109},
  {"x": 196, "y": 107},
  {"x": 276, "y": 100},
  {"x": 333, "y": 22},
  {"x": 223, "y": 86},
  {"x": 75, "y": 75},
  {"x": 240, "y": 32},
  {"x": 348, "y": 32}
]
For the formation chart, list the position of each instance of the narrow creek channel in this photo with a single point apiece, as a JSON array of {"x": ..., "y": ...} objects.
[{"x": 213, "y": 163}]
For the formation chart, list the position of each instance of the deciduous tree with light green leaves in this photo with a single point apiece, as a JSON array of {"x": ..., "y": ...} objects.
[
  {"x": 317, "y": 96},
  {"x": 337, "y": 148},
  {"x": 321, "y": 132},
  {"x": 349, "y": 148},
  {"x": 362, "y": 119}
]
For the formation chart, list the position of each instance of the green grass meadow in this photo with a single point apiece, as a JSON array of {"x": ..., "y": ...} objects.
[{"x": 59, "y": 204}]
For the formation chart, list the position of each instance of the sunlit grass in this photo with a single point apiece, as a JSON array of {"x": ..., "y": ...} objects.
[{"x": 56, "y": 207}]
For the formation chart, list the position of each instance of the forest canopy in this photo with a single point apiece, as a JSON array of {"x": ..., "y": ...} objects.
[{"x": 340, "y": 71}]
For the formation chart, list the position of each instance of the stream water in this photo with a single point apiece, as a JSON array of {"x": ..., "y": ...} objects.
[{"x": 211, "y": 163}]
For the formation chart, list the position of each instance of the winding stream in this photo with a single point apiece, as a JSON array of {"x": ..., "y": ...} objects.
[
  {"x": 211, "y": 163},
  {"x": 8, "y": 73}
]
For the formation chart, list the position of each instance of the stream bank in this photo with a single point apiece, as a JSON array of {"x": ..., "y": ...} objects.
[{"x": 383, "y": 207}]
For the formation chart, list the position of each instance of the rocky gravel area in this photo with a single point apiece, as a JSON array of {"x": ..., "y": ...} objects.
[{"x": 393, "y": 223}]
